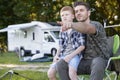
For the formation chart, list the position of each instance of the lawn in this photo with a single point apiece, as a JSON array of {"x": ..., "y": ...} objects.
[
  {"x": 12, "y": 58},
  {"x": 23, "y": 75}
]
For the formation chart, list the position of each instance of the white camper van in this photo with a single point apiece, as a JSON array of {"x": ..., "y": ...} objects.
[{"x": 32, "y": 38}]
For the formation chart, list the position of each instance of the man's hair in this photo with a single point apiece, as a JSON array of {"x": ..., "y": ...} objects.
[
  {"x": 67, "y": 8},
  {"x": 82, "y": 3}
]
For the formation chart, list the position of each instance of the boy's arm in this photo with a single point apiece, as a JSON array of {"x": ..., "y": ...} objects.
[
  {"x": 77, "y": 51},
  {"x": 58, "y": 51}
]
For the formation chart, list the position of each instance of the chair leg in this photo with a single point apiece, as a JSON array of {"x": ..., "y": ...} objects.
[
  {"x": 117, "y": 74},
  {"x": 10, "y": 72},
  {"x": 107, "y": 76}
]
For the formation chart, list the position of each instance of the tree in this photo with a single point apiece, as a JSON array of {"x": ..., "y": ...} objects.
[{"x": 22, "y": 11}]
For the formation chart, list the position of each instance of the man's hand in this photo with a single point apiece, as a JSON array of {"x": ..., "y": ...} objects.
[{"x": 65, "y": 25}]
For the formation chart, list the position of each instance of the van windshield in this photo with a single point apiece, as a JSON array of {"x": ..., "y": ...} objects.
[{"x": 55, "y": 34}]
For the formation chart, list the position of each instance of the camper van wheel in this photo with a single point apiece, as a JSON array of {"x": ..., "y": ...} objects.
[
  {"x": 22, "y": 52},
  {"x": 53, "y": 51}
]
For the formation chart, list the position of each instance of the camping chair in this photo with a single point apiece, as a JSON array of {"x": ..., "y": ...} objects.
[
  {"x": 115, "y": 59},
  {"x": 11, "y": 73},
  {"x": 114, "y": 44}
]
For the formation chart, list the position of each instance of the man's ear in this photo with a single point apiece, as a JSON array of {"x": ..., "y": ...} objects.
[{"x": 89, "y": 12}]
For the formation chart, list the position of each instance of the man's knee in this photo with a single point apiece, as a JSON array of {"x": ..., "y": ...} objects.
[
  {"x": 98, "y": 68},
  {"x": 99, "y": 63},
  {"x": 62, "y": 69},
  {"x": 62, "y": 65}
]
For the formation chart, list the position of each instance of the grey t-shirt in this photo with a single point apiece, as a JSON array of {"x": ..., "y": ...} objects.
[
  {"x": 96, "y": 44},
  {"x": 69, "y": 49}
]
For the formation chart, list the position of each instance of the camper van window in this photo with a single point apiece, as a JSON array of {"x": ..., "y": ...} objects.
[
  {"x": 25, "y": 34},
  {"x": 48, "y": 37},
  {"x": 33, "y": 36},
  {"x": 55, "y": 34}
]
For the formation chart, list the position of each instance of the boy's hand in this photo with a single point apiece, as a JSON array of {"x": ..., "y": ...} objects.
[
  {"x": 67, "y": 58},
  {"x": 56, "y": 59}
]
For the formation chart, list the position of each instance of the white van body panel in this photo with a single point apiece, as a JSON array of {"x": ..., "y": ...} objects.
[{"x": 31, "y": 36}]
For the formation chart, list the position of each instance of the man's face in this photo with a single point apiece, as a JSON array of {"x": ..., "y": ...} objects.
[
  {"x": 81, "y": 13},
  {"x": 66, "y": 16}
]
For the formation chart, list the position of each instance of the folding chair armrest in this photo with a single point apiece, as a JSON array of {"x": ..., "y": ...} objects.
[
  {"x": 108, "y": 63},
  {"x": 115, "y": 58},
  {"x": 112, "y": 58}
]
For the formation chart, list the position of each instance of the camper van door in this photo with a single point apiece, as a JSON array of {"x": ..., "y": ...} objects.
[{"x": 50, "y": 44}]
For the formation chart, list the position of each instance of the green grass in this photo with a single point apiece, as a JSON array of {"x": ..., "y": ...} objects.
[{"x": 12, "y": 58}]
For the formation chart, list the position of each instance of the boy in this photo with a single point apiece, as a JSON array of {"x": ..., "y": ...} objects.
[{"x": 71, "y": 45}]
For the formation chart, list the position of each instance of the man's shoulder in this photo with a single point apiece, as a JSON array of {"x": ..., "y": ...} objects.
[{"x": 95, "y": 22}]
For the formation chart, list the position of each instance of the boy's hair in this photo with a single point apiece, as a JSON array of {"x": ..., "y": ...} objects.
[
  {"x": 82, "y": 3},
  {"x": 67, "y": 8}
]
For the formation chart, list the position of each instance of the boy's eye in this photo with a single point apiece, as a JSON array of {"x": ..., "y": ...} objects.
[{"x": 62, "y": 15}]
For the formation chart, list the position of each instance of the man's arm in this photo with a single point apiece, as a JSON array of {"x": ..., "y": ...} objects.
[{"x": 84, "y": 27}]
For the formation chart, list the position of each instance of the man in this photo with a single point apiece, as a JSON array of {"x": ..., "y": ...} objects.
[{"x": 97, "y": 50}]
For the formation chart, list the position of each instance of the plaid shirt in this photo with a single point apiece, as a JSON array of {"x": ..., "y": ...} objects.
[{"x": 77, "y": 39}]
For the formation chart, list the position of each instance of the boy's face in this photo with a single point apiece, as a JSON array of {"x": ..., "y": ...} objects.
[
  {"x": 67, "y": 16},
  {"x": 81, "y": 13}
]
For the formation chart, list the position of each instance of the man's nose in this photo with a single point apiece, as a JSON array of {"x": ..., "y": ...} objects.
[{"x": 79, "y": 12}]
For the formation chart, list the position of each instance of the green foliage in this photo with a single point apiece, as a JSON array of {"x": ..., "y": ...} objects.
[
  {"x": 107, "y": 10},
  {"x": 22, "y": 11}
]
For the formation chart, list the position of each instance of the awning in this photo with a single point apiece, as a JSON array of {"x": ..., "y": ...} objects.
[
  {"x": 42, "y": 25},
  {"x": 18, "y": 26}
]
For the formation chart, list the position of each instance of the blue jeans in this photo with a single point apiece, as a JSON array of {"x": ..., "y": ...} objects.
[{"x": 74, "y": 62}]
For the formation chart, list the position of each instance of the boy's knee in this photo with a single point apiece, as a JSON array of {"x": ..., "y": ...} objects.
[
  {"x": 50, "y": 74},
  {"x": 71, "y": 74}
]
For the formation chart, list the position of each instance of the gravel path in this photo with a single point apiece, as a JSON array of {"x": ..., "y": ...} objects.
[{"x": 33, "y": 67}]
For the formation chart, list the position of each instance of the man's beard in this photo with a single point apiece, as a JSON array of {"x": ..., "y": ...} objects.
[{"x": 83, "y": 20}]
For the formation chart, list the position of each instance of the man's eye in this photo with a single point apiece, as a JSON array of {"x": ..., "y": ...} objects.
[
  {"x": 66, "y": 14},
  {"x": 82, "y": 10},
  {"x": 76, "y": 11}
]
